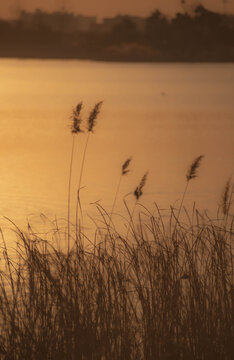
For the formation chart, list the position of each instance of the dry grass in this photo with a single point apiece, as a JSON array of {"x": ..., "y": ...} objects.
[
  {"x": 164, "y": 293},
  {"x": 163, "y": 290}
]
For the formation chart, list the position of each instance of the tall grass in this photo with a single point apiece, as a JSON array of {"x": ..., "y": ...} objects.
[
  {"x": 75, "y": 129},
  {"x": 145, "y": 297},
  {"x": 91, "y": 123},
  {"x": 124, "y": 171},
  {"x": 191, "y": 174},
  {"x": 164, "y": 291}
]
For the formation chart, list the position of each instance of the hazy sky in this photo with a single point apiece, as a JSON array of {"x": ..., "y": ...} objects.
[{"x": 109, "y": 7}]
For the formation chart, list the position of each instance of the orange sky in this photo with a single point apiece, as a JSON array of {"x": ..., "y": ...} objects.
[{"x": 109, "y": 7}]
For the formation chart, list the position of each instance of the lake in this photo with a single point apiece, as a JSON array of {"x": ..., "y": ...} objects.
[{"x": 163, "y": 115}]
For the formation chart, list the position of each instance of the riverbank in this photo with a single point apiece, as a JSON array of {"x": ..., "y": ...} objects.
[{"x": 120, "y": 53}]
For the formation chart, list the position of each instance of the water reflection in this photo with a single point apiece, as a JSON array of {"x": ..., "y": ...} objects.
[{"x": 163, "y": 134}]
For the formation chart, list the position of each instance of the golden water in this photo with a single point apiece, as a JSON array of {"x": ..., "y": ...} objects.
[{"x": 163, "y": 115}]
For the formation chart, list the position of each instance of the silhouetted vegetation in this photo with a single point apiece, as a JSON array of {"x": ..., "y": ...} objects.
[
  {"x": 201, "y": 35},
  {"x": 158, "y": 288},
  {"x": 162, "y": 292}
]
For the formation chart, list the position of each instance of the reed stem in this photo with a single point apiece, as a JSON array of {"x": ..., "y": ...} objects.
[
  {"x": 78, "y": 203},
  {"x": 69, "y": 192}
]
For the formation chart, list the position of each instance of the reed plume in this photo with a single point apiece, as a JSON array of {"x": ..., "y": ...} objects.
[
  {"x": 76, "y": 119},
  {"x": 125, "y": 166},
  {"x": 124, "y": 171},
  {"x": 226, "y": 197},
  {"x": 191, "y": 174},
  {"x": 192, "y": 171},
  {"x": 93, "y": 116},
  {"x": 138, "y": 191}
]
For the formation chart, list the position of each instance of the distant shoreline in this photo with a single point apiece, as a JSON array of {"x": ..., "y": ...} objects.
[
  {"x": 116, "y": 60},
  {"x": 201, "y": 36}
]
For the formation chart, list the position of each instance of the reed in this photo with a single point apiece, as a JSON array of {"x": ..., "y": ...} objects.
[
  {"x": 138, "y": 192},
  {"x": 191, "y": 174},
  {"x": 124, "y": 171},
  {"x": 160, "y": 292},
  {"x": 226, "y": 200},
  {"x": 142, "y": 297},
  {"x": 91, "y": 123},
  {"x": 75, "y": 129}
]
